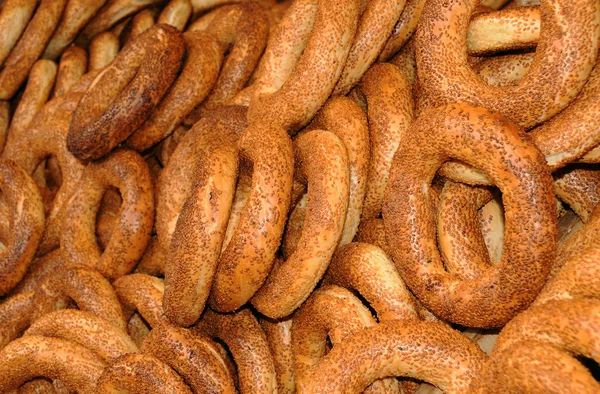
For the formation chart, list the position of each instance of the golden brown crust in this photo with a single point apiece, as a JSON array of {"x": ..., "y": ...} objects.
[
  {"x": 73, "y": 65},
  {"x": 426, "y": 351},
  {"x": 176, "y": 13},
  {"x": 198, "y": 76},
  {"x": 15, "y": 316},
  {"x": 127, "y": 171},
  {"x": 34, "y": 356},
  {"x": 26, "y": 223},
  {"x": 76, "y": 15},
  {"x": 344, "y": 118},
  {"x": 86, "y": 329},
  {"x": 86, "y": 287},
  {"x": 321, "y": 162},
  {"x": 192, "y": 356},
  {"x": 142, "y": 293},
  {"x": 403, "y": 30},
  {"x": 390, "y": 112},
  {"x": 518, "y": 169},
  {"x": 107, "y": 114},
  {"x": 30, "y": 46},
  {"x": 330, "y": 312},
  {"x": 140, "y": 22},
  {"x": 279, "y": 337},
  {"x": 579, "y": 186},
  {"x": 301, "y": 92},
  {"x": 140, "y": 374},
  {"x": 103, "y": 49},
  {"x": 248, "y": 345},
  {"x": 551, "y": 83}
]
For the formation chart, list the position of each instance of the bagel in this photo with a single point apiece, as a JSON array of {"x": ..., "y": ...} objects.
[
  {"x": 123, "y": 95},
  {"x": 279, "y": 337},
  {"x": 531, "y": 221},
  {"x": 128, "y": 172}
]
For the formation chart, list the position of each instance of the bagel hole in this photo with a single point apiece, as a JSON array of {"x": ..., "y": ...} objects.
[
  {"x": 591, "y": 366},
  {"x": 48, "y": 177},
  {"x": 108, "y": 215}
]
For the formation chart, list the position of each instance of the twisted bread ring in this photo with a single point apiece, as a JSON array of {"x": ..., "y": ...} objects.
[
  {"x": 86, "y": 287},
  {"x": 73, "y": 65},
  {"x": 322, "y": 162},
  {"x": 37, "y": 93},
  {"x": 552, "y": 80},
  {"x": 204, "y": 58},
  {"x": 15, "y": 313},
  {"x": 345, "y": 119},
  {"x": 367, "y": 270},
  {"x": 30, "y": 46},
  {"x": 86, "y": 329},
  {"x": 140, "y": 374},
  {"x": 246, "y": 262},
  {"x": 389, "y": 101},
  {"x": 46, "y": 136},
  {"x": 127, "y": 171},
  {"x": 197, "y": 241},
  {"x": 176, "y": 13},
  {"x": 26, "y": 223},
  {"x": 107, "y": 114},
  {"x": 376, "y": 24},
  {"x": 290, "y": 98},
  {"x": 103, "y": 49},
  {"x": 242, "y": 30},
  {"x": 248, "y": 345},
  {"x": 192, "y": 357},
  {"x": 279, "y": 337},
  {"x": 400, "y": 348},
  {"x": 555, "y": 331},
  {"x": 76, "y": 15},
  {"x": 34, "y": 356},
  {"x": 330, "y": 312},
  {"x": 502, "y": 151}
]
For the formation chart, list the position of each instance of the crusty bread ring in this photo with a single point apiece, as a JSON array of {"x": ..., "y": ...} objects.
[
  {"x": 124, "y": 94},
  {"x": 26, "y": 223},
  {"x": 335, "y": 313},
  {"x": 15, "y": 316},
  {"x": 196, "y": 245},
  {"x": 279, "y": 337},
  {"x": 500, "y": 149},
  {"x": 579, "y": 187},
  {"x": 248, "y": 345},
  {"x": 390, "y": 110},
  {"x": 34, "y": 356},
  {"x": 86, "y": 287},
  {"x": 198, "y": 76},
  {"x": 445, "y": 77},
  {"x": 321, "y": 162},
  {"x": 140, "y": 374},
  {"x": 345, "y": 119},
  {"x": 127, "y": 171},
  {"x": 292, "y": 95},
  {"x": 140, "y": 22},
  {"x": 14, "y": 18},
  {"x": 103, "y": 49},
  {"x": 76, "y": 15},
  {"x": 536, "y": 351},
  {"x": 86, "y": 329},
  {"x": 192, "y": 356},
  {"x": 73, "y": 65},
  {"x": 30, "y": 46},
  {"x": 400, "y": 348}
]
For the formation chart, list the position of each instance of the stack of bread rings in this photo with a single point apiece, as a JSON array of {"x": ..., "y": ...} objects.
[{"x": 299, "y": 196}]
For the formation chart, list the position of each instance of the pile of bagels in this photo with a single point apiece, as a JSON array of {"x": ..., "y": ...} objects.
[{"x": 299, "y": 196}]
